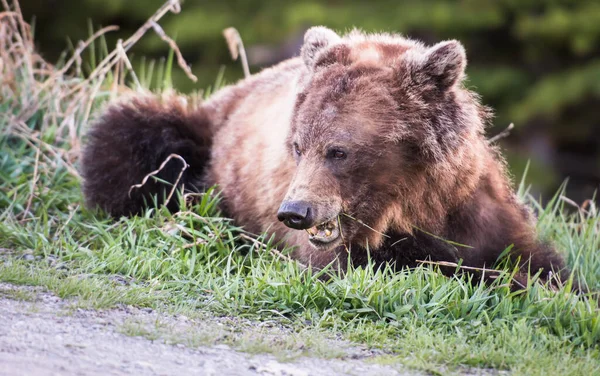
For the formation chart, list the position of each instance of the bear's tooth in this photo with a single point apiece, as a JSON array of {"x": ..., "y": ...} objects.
[{"x": 328, "y": 232}]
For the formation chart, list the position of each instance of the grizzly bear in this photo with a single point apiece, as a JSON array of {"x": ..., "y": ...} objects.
[{"x": 365, "y": 146}]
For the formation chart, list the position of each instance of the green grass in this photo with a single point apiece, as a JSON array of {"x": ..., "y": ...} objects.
[
  {"x": 196, "y": 261},
  {"x": 18, "y": 294}
]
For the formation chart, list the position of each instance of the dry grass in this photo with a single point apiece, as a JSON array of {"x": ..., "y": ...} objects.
[
  {"x": 64, "y": 92},
  {"x": 68, "y": 98}
]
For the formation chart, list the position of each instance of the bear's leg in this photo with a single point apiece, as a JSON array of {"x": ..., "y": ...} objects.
[
  {"x": 133, "y": 139},
  {"x": 493, "y": 220}
]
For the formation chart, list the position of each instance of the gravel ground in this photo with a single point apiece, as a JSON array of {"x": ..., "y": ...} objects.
[{"x": 41, "y": 334}]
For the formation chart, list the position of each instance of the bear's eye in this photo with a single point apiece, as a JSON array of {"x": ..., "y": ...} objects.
[
  {"x": 297, "y": 149},
  {"x": 336, "y": 154}
]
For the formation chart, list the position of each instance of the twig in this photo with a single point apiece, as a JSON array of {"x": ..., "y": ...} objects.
[
  {"x": 91, "y": 97},
  {"x": 25, "y": 29},
  {"x": 159, "y": 169},
  {"x": 199, "y": 217},
  {"x": 190, "y": 245},
  {"x": 451, "y": 242},
  {"x": 455, "y": 265},
  {"x": 190, "y": 197},
  {"x": 64, "y": 226},
  {"x": 570, "y": 202},
  {"x": 366, "y": 225},
  {"x": 339, "y": 223},
  {"x": 174, "y": 188},
  {"x": 397, "y": 241},
  {"x": 273, "y": 251},
  {"x": 494, "y": 272},
  {"x": 173, "y": 45},
  {"x": 236, "y": 48},
  {"x": 124, "y": 58},
  {"x": 8, "y": 13},
  {"x": 504, "y": 133},
  {"x": 80, "y": 48},
  {"x": 25, "y": 132},
  {"x": 592, "y": 206},
  {"x": 24, "y": 32},
  {"x": 33, "y": 182}
]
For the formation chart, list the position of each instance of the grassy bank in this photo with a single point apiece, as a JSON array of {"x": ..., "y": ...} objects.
[{"x": 197, "y": 260}]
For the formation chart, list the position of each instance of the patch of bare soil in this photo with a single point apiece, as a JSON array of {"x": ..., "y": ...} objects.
[{"x": 41, "y": 334}]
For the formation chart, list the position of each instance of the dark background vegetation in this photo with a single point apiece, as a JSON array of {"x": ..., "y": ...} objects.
[{"x": 537, "y": 63}]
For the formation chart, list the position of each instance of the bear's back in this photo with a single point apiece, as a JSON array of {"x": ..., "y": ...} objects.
[{"x": 250, "y": 161}]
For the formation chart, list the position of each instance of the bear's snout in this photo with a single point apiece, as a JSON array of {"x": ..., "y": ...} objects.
[{"x": 296, "y": 214}]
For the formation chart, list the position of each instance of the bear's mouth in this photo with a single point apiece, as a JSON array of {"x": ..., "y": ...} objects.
[{"x": 324, "y": 234}]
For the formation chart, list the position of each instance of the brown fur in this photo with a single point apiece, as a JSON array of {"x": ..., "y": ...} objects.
[{"x": 416, "y": 169}]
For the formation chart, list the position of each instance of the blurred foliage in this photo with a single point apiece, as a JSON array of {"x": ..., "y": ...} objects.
[{"x": 537, "y": 63}]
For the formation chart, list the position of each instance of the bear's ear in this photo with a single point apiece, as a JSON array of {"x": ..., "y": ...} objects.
[
  {"x": 445, "y": 64},
  {"x": 316, "y": 39}
]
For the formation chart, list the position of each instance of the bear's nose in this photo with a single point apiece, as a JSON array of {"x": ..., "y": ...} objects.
[{"x": 296, "y": 214}]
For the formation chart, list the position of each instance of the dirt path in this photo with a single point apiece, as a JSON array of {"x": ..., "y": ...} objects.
[{"x": 41, "y": 334}]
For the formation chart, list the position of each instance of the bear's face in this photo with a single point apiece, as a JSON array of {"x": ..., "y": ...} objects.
[{"x": 369, "y": 116}]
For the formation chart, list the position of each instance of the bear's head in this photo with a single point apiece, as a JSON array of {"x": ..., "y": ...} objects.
[{"x": 384, "y": 136}]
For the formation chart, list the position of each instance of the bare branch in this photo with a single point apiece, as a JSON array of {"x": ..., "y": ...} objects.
[
  {"x": 180, "y": 60},
  {"x": 504, "y": 133},
  {"x": 236, "y": 48},
  {"x": 124, "y": 58},
  {"x": 159, "y": 169},
  {"x": 455, "y": 265}
]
